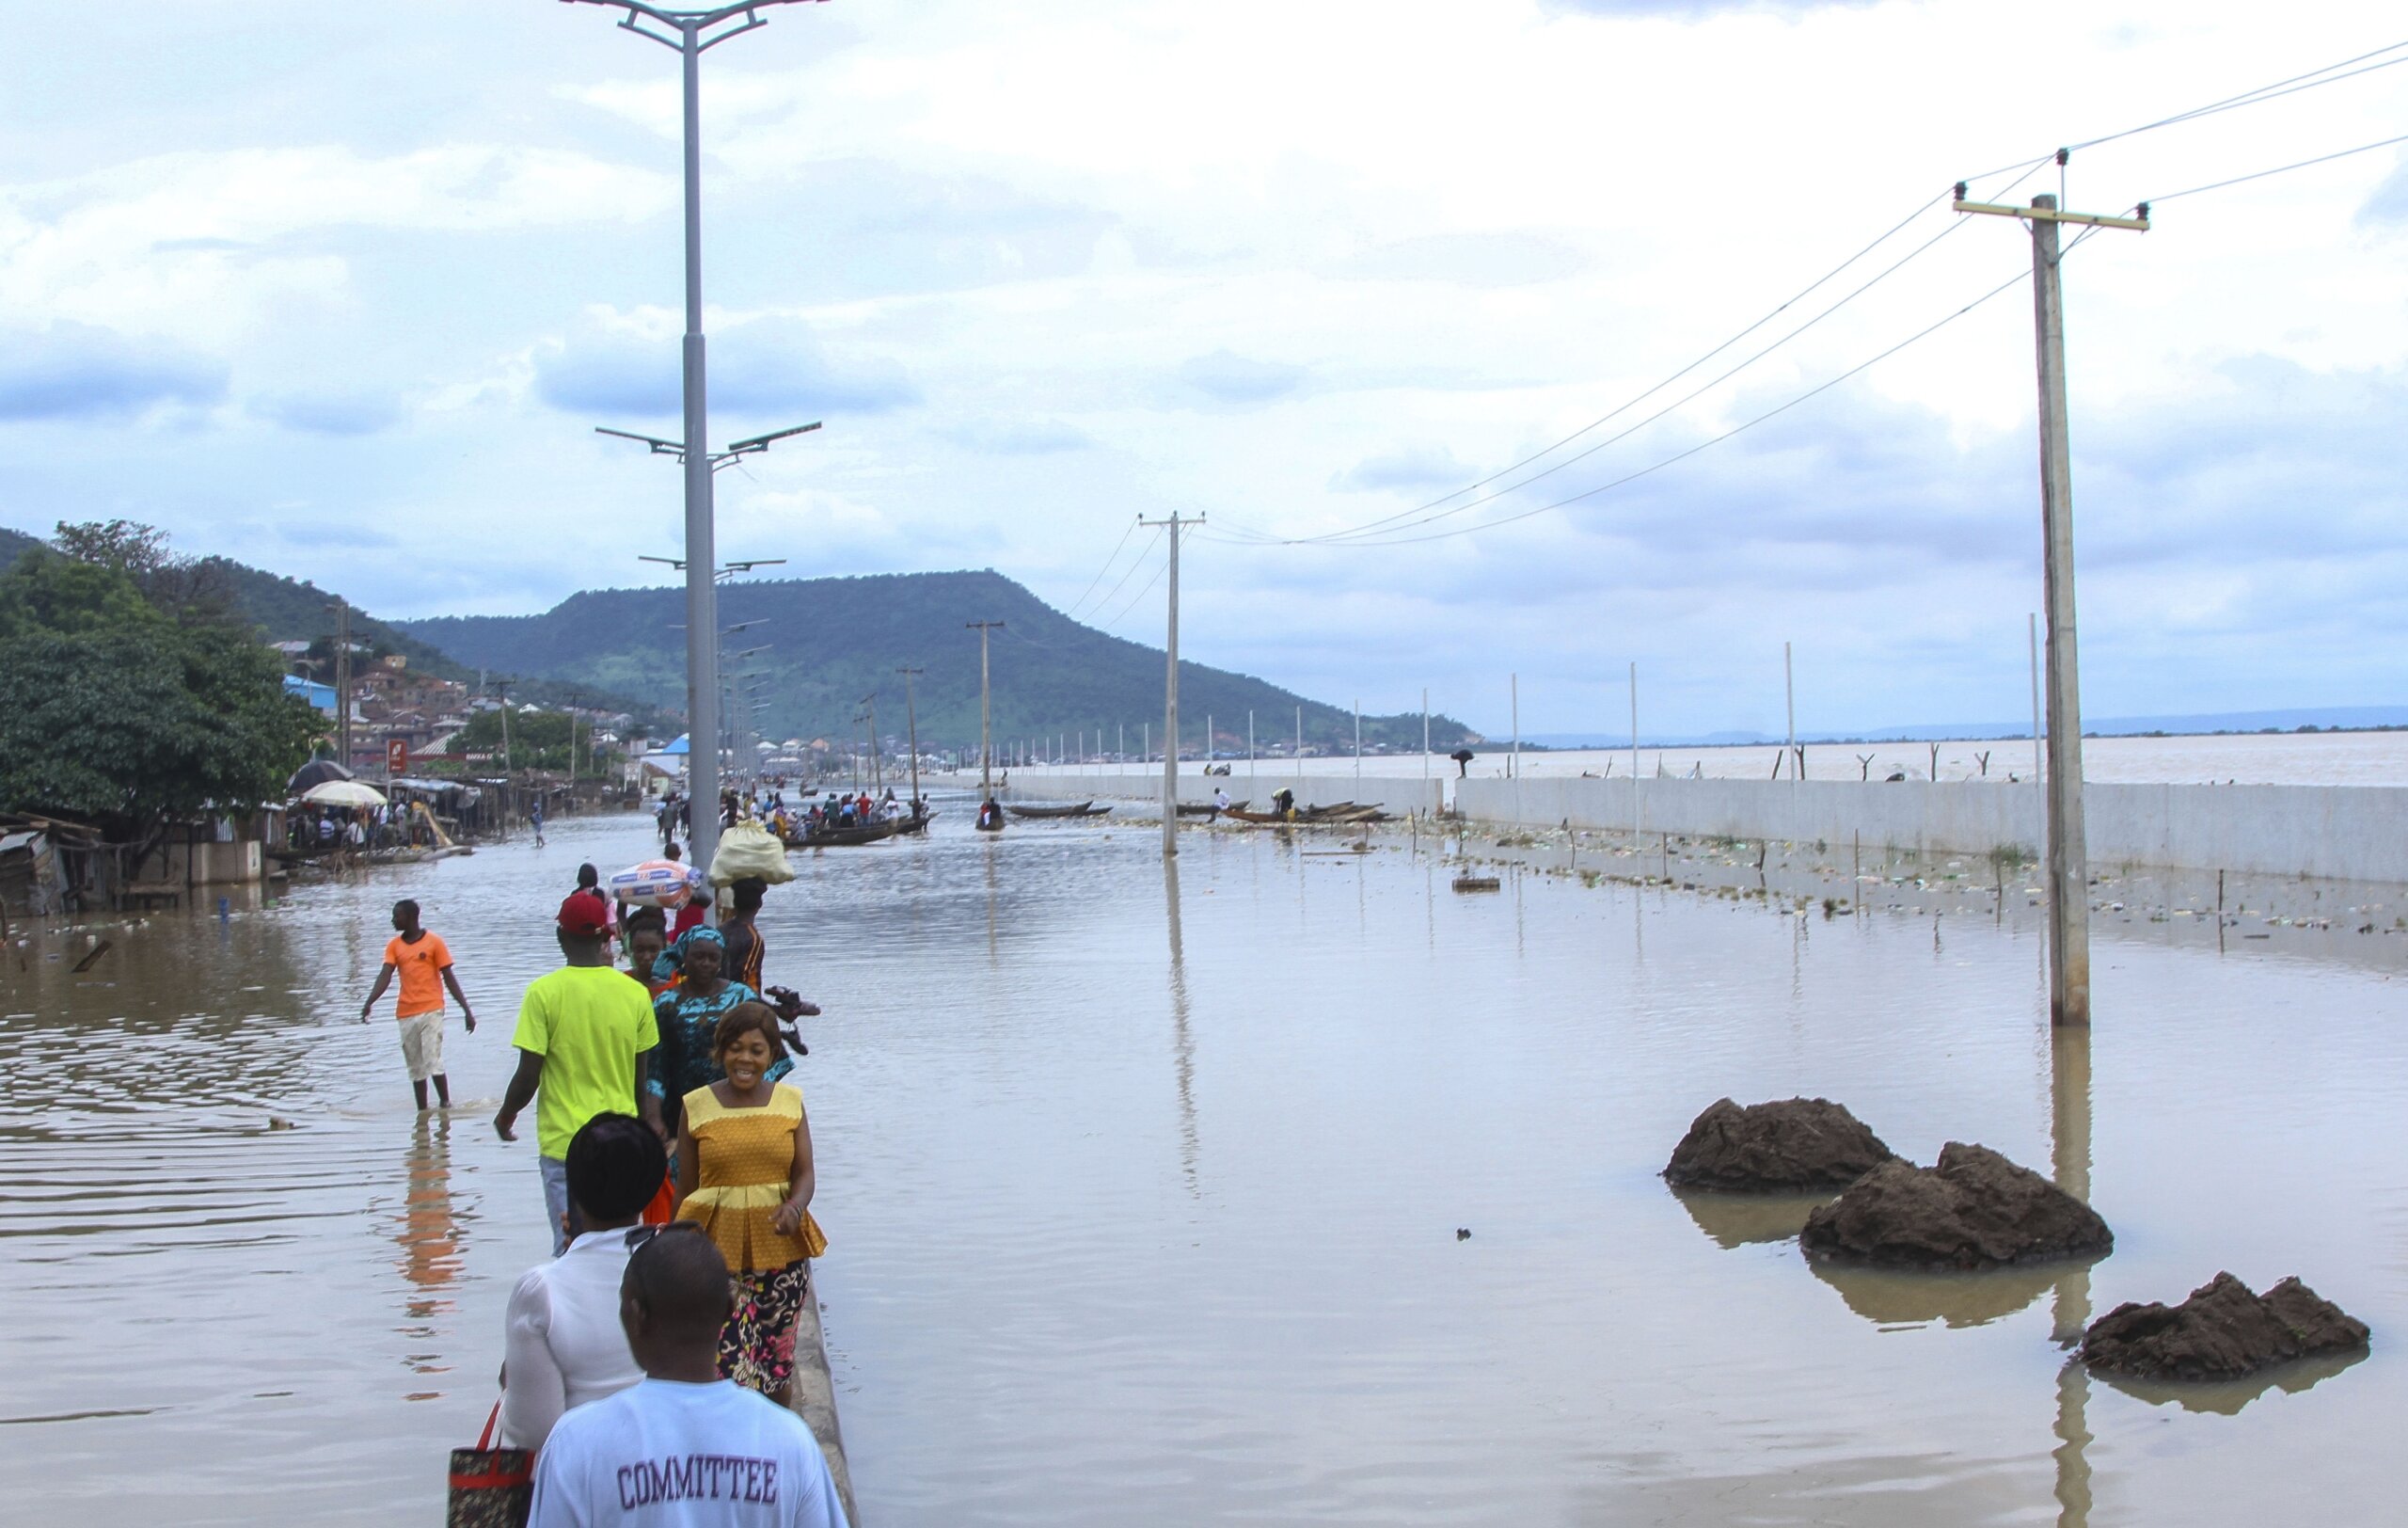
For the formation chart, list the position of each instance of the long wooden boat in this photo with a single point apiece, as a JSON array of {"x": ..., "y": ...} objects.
[
  {"x": 1207, "y": 808},
  {"x": 1084, "y": 808},
  {"x": 1345, "y": 814},
  {"x": 845, "y": 838}
]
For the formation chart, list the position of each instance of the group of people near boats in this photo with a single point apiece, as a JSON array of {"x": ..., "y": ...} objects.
[{"x": 655, "y": 1350}]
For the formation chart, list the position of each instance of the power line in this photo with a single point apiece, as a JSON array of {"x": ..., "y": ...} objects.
[
  {"x": 2280, "y": 170},
  {"x": 1123, "y": 613},
  {"x": 2263, "y": 93},
  {"x": 2247, "y": 98},
  {"x": 1681, "y": 402},
  {"x": 1132, "y": 572},
  {"x": 1381, "y": 532},
  {"x": 1606, "y": 418},
  {"x": 1101, "y": 571},
  {"x": 1715, "y": 440}
]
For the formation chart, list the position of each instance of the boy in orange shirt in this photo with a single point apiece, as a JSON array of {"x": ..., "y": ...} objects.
[{"x": 425, "y": 964}]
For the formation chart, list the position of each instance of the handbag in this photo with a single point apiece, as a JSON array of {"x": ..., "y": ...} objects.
[{"x": 491, "y": 1488}]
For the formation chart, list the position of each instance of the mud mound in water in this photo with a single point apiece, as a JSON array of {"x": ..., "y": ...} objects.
[
  {"x": 1796, "y": 1143},
  {"x": 2223, "y": 1331},
  {"x": 1974, "y": 1210}
]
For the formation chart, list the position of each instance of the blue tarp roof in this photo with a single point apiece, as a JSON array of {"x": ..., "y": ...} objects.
[
  {"x": 320, "y": 695},
  {"x": 677, "y": 747}
]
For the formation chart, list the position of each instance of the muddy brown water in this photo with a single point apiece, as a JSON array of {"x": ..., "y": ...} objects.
[{"x": 1143, "y": 1197}]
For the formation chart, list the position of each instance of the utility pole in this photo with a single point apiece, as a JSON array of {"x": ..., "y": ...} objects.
[
  {"x": 1425, "y": 739},
  {"x": 2068, "y": 855},
  {"x": 869, "y": 711},
  {"x": 690, "y": 33},
  {"x": 986, "y": 742},
  {"x": 1789, "y": 690},
  {"x": 2032, "y": 639},
  {"x": 342, "y": 682},
  {"x": 1516, "y": 680},
  {"x": 1358, "y": 741},
  {"x": 1300, "y": 745},
  {"x": 503, "y": 685},
  {"x": 1170, "y": 691}
]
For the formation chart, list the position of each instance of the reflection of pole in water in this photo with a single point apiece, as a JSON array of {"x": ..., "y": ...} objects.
[
  {"x": 1182, "y": 1037},
  {"x": 2070, "y": 1098},
  {"x": 990, "y": 907},
  {"x": 1519, "y": 951},
  {"x": 1430, "y": 905}
]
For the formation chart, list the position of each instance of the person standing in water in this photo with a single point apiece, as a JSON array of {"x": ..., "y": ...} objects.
[
  {"x": 745, "y": 1173},
  {"x": 424, "y": 962},
  {"x": 684, "y": 1448},
  {"x": 585, "y": 1031}
]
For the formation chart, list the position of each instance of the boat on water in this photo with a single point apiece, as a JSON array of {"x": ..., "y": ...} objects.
[
  {"x": 1208, "y": 809},
  {"x": 865, "y": 833},
  {"x": 1084, "y": 808},
  {"x": 1338, "y": 814}
]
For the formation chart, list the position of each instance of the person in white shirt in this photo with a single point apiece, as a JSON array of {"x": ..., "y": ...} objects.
[
  {"x": 684, "y": 1448},
  {"x": 563, "y": 1344}
]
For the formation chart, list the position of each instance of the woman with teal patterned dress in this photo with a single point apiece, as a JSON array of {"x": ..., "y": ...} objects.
[{"x": 687, "y": 1015}]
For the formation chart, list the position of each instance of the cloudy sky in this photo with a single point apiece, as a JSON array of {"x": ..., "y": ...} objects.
[{"x": 341, "y": 290}]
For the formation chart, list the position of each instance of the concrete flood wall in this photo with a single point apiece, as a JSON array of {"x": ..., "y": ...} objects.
[
  {"x": 1397, "y": 796},
  {"x": 2345, "y": 833},
  {"x": 813, "y": 1396}
]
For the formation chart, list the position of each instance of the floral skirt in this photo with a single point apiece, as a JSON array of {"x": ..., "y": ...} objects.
[{"x": 756, "y": 1346}]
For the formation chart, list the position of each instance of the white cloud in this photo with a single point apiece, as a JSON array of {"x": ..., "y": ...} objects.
[{"x": 1042, "y": 270}]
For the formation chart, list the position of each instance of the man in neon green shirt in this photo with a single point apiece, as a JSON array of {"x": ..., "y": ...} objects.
[{"x": 583, "y": 1034}]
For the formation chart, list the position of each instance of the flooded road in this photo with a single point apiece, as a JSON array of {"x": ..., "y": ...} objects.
[{"x": 1144, "y": 1196}]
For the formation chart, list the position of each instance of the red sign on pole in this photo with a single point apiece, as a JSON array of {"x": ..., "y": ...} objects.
[{"x": 397, "y": 755}]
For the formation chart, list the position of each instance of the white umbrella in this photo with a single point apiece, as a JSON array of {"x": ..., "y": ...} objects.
[{"x": 342, "y": 794}]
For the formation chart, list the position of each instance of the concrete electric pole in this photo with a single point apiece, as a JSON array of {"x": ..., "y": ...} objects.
[
  {"x": 1171, "y": 692},
  {"x": 986, "y": 744},
  {"x": 2068, "y": 857}
]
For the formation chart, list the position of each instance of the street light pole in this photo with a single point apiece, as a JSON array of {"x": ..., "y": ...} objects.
[{"x": 691, "y": 33}]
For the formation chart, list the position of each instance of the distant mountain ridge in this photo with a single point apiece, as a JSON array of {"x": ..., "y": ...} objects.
[{"x": 833, "y": 642}]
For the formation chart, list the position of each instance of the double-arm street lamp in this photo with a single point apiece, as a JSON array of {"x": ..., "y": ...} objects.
[{"x": 692, "y": 33}]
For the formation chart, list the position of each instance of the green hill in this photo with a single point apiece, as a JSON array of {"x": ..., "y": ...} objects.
[{"x": 833, "y": 641}]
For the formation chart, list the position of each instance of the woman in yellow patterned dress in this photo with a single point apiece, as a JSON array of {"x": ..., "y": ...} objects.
[{"x": 744, "y": 1172}]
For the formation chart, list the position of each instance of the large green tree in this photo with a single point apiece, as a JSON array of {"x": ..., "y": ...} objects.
[{"x": 129, "y": 713}]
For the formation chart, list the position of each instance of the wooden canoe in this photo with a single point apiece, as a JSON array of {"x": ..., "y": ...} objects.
[
  {"x": 1207, "y": 808},
  {"x": 846, "y": 838},
  {"x": 1084, "y": 808}
]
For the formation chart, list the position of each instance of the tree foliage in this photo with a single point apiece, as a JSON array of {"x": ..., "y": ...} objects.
[
  {"x": 130, "y": 709},
  {"x": 538, "y": 739}
]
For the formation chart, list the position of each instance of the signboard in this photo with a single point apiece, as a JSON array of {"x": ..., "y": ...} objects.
[{"x": 397, "y": 755}]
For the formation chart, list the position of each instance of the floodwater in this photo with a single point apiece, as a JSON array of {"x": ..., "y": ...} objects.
[
  {"x": 2287, "y": 758},
  {"x": 1144, "y": 1195}
]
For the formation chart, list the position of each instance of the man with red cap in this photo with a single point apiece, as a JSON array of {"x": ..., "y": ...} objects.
[{"x": 583, "y": 1034}]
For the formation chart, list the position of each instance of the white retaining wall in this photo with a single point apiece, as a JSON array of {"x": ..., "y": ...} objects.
[
  {"x": 2347, "y": 832},
  {"x": 1397, "y": 796}
]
